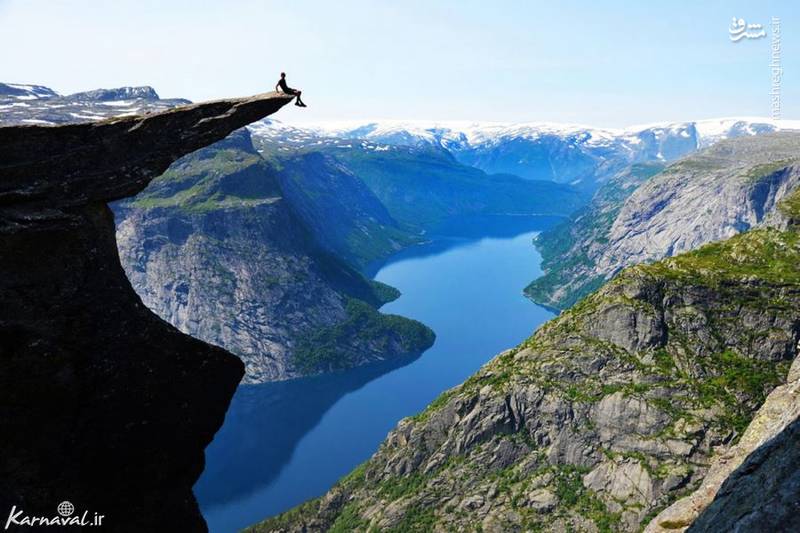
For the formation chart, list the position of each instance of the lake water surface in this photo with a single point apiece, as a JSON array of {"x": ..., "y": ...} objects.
[{"x": 284, "y": 443}]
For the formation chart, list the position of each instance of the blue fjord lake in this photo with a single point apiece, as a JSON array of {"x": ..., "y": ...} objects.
[{"x": 284, "y": 443}]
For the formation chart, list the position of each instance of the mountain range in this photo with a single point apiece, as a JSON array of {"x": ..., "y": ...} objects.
[
  {"x": 582, "y": 156},
  {"x": 648, "y": 212},
  {"x": 659, "y": 401},
  {"x": 257, "y": 249},
  {"x": 664, "y": 399},
  {"x": 357, "y": 192}
]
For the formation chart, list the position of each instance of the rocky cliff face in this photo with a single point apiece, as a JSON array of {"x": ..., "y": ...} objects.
[
  {"x": 215, "y": 247},
  {"x": 105, "y": 405},
  {"x": 607, "y": 415},
  {"x": 568, "y": 249},
  {"x": 712, "y": 195},
  {"x": 754, "y": 482},
  {"x": 243, "y": 252},
  {"x": 761, "y": 495}
]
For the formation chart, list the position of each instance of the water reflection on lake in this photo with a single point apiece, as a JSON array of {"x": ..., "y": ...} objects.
[{"x": 283, "y": 443}]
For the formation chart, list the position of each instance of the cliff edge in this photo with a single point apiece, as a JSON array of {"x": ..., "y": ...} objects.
[{"x": 105, "y": 405}]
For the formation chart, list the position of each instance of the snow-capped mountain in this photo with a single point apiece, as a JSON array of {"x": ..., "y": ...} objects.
[
  {"x": 25, "y": 92},
  {"x": 567, "y": 153},
  {"x": 36, "y": 104},
  {"x": 475, "y": 134},
  {"x": 580, "y": 155}
]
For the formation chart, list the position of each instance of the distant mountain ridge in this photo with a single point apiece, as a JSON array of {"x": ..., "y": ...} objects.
[
  {"x": 450, "y": 133},
  {"x": 121, "y": 93},
  {"x": 423, "y": 187},
  {"x": 25, "y": 92},
  {"x": 583, "y": 156},
  {"x": 36, "y": 104}
]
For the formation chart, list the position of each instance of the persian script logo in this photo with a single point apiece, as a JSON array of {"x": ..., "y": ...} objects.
[
  {"x": 739, "y": 30},
  {"x": 66, "y": 517}
]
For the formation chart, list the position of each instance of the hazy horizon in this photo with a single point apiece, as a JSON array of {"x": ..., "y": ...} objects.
[{"x": 609, "y": 66}]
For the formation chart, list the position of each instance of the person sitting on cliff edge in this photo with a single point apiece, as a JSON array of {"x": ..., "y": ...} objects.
[{"x": 288, "y": 90}]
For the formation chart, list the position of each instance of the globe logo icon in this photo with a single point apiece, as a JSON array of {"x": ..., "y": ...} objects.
[{"x": 65, "y": 508}]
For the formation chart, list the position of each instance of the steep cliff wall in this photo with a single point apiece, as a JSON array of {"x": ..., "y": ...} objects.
[
  {"x": 570, "y": 248},
  {"x": 761, "y": 496},
  {"x": 346, "y": 217},
  {"x": 754, "y": 484},
  {"x": 712, "y": 195},
  {"x": 606, "y": 415},
  {"x": 247, "y": 250},
  {"x": 215, "y": 247},
  {"x": 104, "y": 404}
]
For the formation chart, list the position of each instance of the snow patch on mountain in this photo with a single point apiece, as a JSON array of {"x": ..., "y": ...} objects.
[
  {"x": 36, "y": 104},
  {"x": 577, "y": 154},
  {"x": 483, "y": 133}
]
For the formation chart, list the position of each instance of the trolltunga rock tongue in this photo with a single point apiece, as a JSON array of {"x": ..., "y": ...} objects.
[
  {"x": 71, "y": 165},
  {"x": 105, "y": 405}
]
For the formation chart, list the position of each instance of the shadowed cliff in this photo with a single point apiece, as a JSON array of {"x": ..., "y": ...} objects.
[{"x": 104, "y": 404}]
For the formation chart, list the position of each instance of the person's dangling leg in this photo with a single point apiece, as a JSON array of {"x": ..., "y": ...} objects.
[{"x": 299, "y": 102}]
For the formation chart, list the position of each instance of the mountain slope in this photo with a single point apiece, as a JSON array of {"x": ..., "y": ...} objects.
[
  {"x": 606, "y": 415},
  {"x": 421, "y": 187},
  {"x": 345, "y": 216},
  {"x": 424, "y": 187},
  {"x": 718, "y": 192},
  {"x": 567, "y": 249},
  {"x": 764, "y": 457},
  {"x": 751, "y": 486},
  {"x": 214, "y": 248},
  {"x": 761, "y": 496}
]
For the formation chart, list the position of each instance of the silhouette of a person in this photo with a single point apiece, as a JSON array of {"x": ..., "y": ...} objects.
[{"x": 288, "y": 90}]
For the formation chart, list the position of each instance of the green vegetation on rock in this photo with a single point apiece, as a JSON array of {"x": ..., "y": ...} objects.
[
  {"x": 790, "y": 207},
  {"x": 606, "y": 415},
  {"x": 228, "y": 247},
  {"x": 564, "y": 247},
  {"x": 364, "y": 330},
  {"x": 421, "y": 187},
  {"x": 216, "y": 178},
  {"x": 346, "y": 217}
]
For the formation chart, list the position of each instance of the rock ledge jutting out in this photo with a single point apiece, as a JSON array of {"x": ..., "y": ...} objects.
[{"x": 105, "y": 405}]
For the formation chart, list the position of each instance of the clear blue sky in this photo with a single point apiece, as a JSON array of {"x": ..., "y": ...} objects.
[{"x": 599, "y": 63}]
